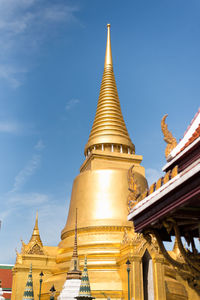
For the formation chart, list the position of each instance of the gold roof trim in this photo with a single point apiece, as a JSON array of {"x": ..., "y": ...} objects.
[
  {"x": 109, "y": 126},
  {"x": 134, "y": 197},
  {"x": 160, "y": 182}
]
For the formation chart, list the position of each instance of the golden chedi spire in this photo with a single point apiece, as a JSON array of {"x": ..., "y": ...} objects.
[{"x": 109, "y": 127}]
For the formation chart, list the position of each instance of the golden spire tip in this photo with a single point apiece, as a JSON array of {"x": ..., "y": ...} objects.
[{"x": 108, "y": 56}]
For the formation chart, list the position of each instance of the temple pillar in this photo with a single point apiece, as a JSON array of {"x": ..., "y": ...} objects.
[
  {"x": 137, "y": 279},
  {"x": 159, "y": 280}
]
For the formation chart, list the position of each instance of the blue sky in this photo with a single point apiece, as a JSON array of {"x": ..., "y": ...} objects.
[{"x": 51, "y": 65}]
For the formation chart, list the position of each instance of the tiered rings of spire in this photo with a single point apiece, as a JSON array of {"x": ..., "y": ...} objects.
[{"x": 109, "y": 131}]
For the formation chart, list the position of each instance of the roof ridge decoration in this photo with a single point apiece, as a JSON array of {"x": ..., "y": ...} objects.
[
  {"x": 28, "y": 291},
  {"x": 108, "y": 126},
  {"x": 168, "y": 137},
  {"x": 190, "y": 135},
  {"x": 156, "y": 185}
]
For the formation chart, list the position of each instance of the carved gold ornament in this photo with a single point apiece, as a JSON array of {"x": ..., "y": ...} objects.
[
  {"x": 134, "y": 189},
  {"x": 168, "y": 137}
]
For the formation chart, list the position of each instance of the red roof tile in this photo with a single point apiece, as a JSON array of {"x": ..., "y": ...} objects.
[
  {"x": 195, "y": 135},
  {"x": 198, "y": 112},
  {"x": 6, "y": 278},
  {"x": 7, "y": 295}
]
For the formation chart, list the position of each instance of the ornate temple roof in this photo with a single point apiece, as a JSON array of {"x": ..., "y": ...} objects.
[
  {"x": 190, "y": 138},
  {"x": 177, "y": 193},
  {"x": 35, "y": 245},
  {"x": 109, "y": 126}
]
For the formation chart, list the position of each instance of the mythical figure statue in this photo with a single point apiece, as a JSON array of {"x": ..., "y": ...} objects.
[{"x": 134, "y": 189}]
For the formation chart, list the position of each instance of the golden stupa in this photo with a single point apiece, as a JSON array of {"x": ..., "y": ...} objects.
[{"x": 100, "y": 192}]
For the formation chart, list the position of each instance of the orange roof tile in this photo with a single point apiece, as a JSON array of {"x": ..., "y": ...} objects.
[{"x": 195, "y": 135}]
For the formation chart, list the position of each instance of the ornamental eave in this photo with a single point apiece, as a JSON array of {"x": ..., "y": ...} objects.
[{"x": 157, "y": 196}]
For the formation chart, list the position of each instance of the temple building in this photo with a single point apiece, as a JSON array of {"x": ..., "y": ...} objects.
[
  {"x": 171, "y": 206},
  {"x": 111, "y": 179},
  {"x": 41, "y": 257}
]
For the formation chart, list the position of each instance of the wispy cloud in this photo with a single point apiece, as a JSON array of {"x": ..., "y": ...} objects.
[
  {"x": 16, "y": 127},
  {"x": 12, "y": 74},
  {"x": 19, "y": 205},
  {"x": 24, "y": 26},
  {"x": 40, "y": 145},
  {"x": 153, "y": 175},
  {"x": 48, "y": 206},
  {"x": 27, "y": 199},
  {"x": 71, "y": 103},
  {"x": 10, "y": 127},
  {"x": 26, "y": 172},
  {"x": 29, "y": 169}
]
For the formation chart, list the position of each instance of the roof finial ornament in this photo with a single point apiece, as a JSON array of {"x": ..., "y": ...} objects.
[
  {"x": 35, "y": 245},
  {"x": 36, "y": 221},
  {"x": 108, "y": 56},
  {"x": 168, "y": 137}
]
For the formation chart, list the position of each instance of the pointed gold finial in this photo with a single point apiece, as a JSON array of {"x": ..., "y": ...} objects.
[
  {"x": 36, "y": 234},
  {"x": 36, "y": 221},
  {"x": 108, "y": 56},
  {"x": 109, "y": 128}
]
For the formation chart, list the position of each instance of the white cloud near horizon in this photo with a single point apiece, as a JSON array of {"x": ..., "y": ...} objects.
[
  {"x": 24, "y": 26},
  {"x": 71, "y": 103},
  {"x": 52, "y": 212},
  {"x": 19, "y": 207}
]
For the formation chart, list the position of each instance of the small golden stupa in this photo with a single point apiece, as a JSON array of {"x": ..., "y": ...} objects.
[{"x": 100, "y": 192}]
